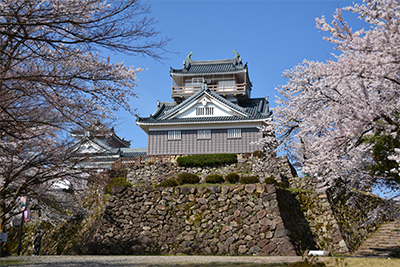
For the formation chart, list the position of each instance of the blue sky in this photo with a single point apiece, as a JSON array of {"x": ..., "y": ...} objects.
[{"x": 271, "y": 36}]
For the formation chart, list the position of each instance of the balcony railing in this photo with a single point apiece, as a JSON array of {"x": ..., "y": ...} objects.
[{"x": 231, "y": 89}]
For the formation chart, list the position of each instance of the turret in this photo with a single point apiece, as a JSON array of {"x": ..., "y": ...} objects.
[{"x": 227, "y": 77}]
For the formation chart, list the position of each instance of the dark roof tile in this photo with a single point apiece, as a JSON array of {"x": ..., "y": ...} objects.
[
  {"x": 254, "y": 108},
  {"x": 210, "y": 67}
]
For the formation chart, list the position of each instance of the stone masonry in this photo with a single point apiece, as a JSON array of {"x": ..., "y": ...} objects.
[
  {"x": 254, "y": 219},
  {"x": 209, "y": 220},
  {"x": 156, "y": 173}
]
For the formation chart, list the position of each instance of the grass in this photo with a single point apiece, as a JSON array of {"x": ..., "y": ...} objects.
[
  {"x": 7, "y": 262},
  {"x": 295, "y": 190},
  {"x": 204, "y": 185},
  {"x": 362, "y": 262}
]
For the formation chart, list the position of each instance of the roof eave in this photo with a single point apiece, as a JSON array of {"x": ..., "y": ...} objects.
[
  {"x": 206, "y": 73},
  {"x": 199, "y": 122}
]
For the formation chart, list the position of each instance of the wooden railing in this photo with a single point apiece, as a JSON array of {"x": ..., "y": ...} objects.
[{"x": 178, "y": 91}]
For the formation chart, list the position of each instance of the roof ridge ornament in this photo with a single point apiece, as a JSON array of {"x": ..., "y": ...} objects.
[
  {"x": 237, "y": 59},
  {"x": 188, "y": 60},
  {"x": 188, "y": 57},
  {"x": 236, "y": 54}
]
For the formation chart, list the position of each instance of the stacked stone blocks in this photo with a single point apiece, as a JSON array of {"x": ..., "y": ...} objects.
[
  {"x": 211, "y": 220},
  {"x": 254, "y": 219}
]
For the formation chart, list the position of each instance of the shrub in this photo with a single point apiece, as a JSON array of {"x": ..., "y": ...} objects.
[
  {"x": 270, "y": 180},
  {"x": 232, "y": 178},
  {"x": 211, "y": 160},
  {"x": 214, "y": 179},
  {"x": 187, "y": 178},
  {"x": 116, "y": 173},
  {"x": 258, "y": 154},
  {"x": 282, "y": 185},
  {"x": 249, "y": 180},
  {"x": 118, "y": 181},
  {"x": 168, "y": 183}
]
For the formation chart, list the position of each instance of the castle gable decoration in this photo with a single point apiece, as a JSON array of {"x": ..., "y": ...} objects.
[
  {"x": 205, "y": 103},
  {"x": 212, "y": 111}
]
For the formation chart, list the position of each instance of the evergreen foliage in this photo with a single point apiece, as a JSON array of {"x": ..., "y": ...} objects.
[
  {"x": 382, "y": 147},
  {"x": 249, "y": 180},
  {"x": 117, "y": 181},
  {"x": 270, "y": 180},
  {"x": 210, "y": 160},
  {"x": 282, "y": 184},
  {"x": 232, "y": 178},
  {"x": 214, "y": 179},
  {"x": 187, "y": 178}
]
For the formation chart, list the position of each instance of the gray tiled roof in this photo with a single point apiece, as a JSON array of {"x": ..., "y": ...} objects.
[
  {"x": 133, "y": 152},
  {"x": 124, "y": 152},
  {"x": 254, "y": 108},
  {"x": 201, "y": 120},
  {"x": 100, "y": 131},
  {"x": 210, "y": 67},
  {"x": 97, "y": 141}
]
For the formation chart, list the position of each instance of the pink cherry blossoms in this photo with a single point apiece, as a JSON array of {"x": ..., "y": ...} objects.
[
  {"x": 327, "y": 109},
  {"x": 54, "y": 76}
]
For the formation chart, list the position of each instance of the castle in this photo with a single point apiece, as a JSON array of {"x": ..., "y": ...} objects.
[{"x": 212, "y": 111}]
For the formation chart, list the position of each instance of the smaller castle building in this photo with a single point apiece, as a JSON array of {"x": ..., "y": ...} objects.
[{"x": 100, "y": 146}]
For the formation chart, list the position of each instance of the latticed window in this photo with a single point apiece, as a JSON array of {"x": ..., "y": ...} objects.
[
  {"x": 199, "y": 111},
  {"x": 234, "y": 133},
  {"x": 204, "y": 111},
  {"x": 204, "y": 134},
  {"x": 174, "y": 135}
]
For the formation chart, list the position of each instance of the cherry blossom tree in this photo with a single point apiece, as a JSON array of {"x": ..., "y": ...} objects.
[
  {"x": 54, "y": 76},
  {"x": 268, "y": 144},
  {"x": 329, "y": 112}
]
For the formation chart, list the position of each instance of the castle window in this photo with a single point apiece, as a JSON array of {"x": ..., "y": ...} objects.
[
  {"x": 204, "y": 134},
  {"x": 199, "y": 111},
  {"x": 234, "y": 133},
  {"x": 204, "y": 111},
  {"x": 197, "y": 80},
  {"x": 174, "y": 135}
]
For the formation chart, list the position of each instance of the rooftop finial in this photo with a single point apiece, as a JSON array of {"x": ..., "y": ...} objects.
[
  {"x": 188, "y": 58},
  {"x": 237, "y": 56}
]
